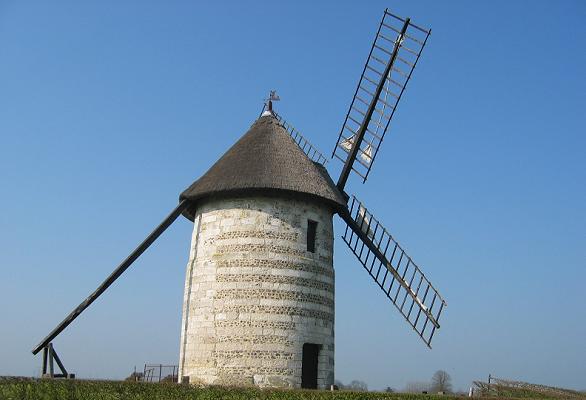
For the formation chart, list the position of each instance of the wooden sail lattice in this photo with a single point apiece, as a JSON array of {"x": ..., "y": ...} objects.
[
  {"x": 393, "y": 270},
  {"x": 398, "y": 42}
]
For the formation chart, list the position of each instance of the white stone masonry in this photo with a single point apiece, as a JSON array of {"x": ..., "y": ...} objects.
[{"x": 254, "y": 294}]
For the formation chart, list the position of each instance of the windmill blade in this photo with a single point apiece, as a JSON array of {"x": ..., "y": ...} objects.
[
  {"x": 393, "y": 56},
  {"x": 310, "y": 150},
  {"x": 393, "y": 270},
  {"x": 150, "y": 239}
]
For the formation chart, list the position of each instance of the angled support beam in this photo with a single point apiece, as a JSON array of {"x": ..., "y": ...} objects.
[
  {"x": 58, "y": 361},
  {"x": 110, "y": 280},
  {"x": 360, "y": 134},
  {"x": 50, "y": 356}
]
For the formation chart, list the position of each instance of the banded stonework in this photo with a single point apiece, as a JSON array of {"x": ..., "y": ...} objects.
[{"x": 254, "y": 294}]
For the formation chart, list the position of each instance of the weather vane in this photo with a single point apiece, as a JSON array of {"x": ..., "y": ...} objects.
[{"x": 273, "y": 96}]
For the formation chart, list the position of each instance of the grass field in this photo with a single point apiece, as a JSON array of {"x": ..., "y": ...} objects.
[{"x": 35, "y": 389}]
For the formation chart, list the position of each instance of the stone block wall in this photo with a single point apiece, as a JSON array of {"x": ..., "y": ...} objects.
[{"x": 254, "y": 294}]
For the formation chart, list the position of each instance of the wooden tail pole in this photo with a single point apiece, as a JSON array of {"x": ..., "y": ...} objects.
[{"x": 46, "y": 342}]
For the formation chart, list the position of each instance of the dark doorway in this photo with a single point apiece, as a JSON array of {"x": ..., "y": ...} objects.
[{"x": 309, "y": 366}]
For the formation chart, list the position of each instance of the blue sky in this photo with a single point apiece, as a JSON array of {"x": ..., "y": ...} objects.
[{"x": 108, "y": 111}]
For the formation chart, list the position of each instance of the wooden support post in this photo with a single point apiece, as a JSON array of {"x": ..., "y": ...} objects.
[
  {"x": 50, "y": 351},
  {"x": 50, "y": 357},
  {"x": 45, "y": 355}
]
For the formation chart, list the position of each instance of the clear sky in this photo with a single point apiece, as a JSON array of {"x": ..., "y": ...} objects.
[{"x": 108, "y": 111}]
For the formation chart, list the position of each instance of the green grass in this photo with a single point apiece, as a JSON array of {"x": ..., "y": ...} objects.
[
  {"x": 503, "y": 391},
  {"x": 14, "y": 389},
  {"x": 37, "y": 389}
]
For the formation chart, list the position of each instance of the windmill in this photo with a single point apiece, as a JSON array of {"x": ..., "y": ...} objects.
[{"x": 259, "y": 291}]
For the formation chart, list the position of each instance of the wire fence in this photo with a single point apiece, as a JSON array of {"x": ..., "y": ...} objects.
[{"x": 158, "y": 373}]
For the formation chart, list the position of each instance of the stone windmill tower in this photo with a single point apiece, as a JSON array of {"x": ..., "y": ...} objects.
[{"x": 259, "y": 291}]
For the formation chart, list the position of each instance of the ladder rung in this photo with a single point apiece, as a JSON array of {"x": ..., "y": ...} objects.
[
  {"x": 359, "y": 159},
  {"x": 375, "y": 134},
  {"x": 372, "y": 69},
  {"x": 388, "y": 39},
  {"x": 347, "y": 127},
  {"x": 382, "y": 49},
  {"x": 382, "y": 284},
  {"x": 400, "y": 72},
  {"x": 375, "y": 58},
  {"x": 397, "y": 293},
  {"x": 431, "y": 336},
  {"x": 385, "y": 103},
  {"x": 421, "y": 29},
  {"x": 380, "y": 266},
  {"x": 439, "y": 313},
  {"x": 395, "y": 82},
  {"x": 359, "y": 174},
  {"x": 394, "y": 16},
  {"x": 382, "y": 113},
  {"x": 396, "y": 96},
  {"x": 338, "y": 157},
  {"x": 414, "y": 39},
  {"x": 366, "y": 90},
  {"x": 406, "y": 268},
  {"x": 357, "y": 110},
  {"x": 370, "y": 80},
  {"x": 420, "y": 309},
  {"x": 410, "y": 309},
  {"x": 394, "y": 250},
  {"x": 356, "y": 122},
  {"x": 409, "y": 50},
  {"x": 361, "y": 250},
  {"x": 392, "y": 28},
  {"x": 405, "y": 61},
  {"x": 432, "y": 302},
  {"x": 362, "y": 100},
  {"x": 388, "y": 291},
  {"x": 344, "y": 150}
]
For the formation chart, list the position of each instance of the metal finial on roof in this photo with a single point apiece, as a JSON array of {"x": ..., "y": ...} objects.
[{"x": 273, "y": 96}]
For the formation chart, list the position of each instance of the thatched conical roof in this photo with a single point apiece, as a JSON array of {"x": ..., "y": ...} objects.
[{"x": 265, "y": 161}]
